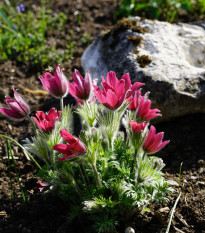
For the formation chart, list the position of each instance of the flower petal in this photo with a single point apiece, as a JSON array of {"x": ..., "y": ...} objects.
[
  {"x": 112, "y": 100},
  {"x": 11, "y": 113},
  {"x": 67, "y": 136},
  {"x": 112, "y": 79},
  {"x": 21, "y": 101}
]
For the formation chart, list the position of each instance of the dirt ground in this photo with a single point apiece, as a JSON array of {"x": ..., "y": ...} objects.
[{"x": 49, "y": 214}]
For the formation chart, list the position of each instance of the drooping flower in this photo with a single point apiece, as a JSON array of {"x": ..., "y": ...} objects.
[
  {"x": 74, "y": 147},
  {"x": 115, "y": 91},
  {"x": 56, "y": 85},
  {"x": 18, "y": 108},
  {"x": 46, "y": 122},
  {"x": 81, "y": 88},
  {"x": 141, "y": 105},
  {"x": 153, "y": 142}
]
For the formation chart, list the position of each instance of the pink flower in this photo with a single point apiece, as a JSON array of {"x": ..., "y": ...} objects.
[
  {"x": 115, "y": 91},
  {"x": 46, "y": 122},
  {"x": 153, "y": 142},
  {"x": 18, "y": 108},
  {"x": 81, "y": 88},
  {"x": 42, "y": 186},
  {"x": 137, "y": 127},
  {"x": 141, "y": 104},
  {"x": 137, "y": 134},
  {"x": 74, "y": 147},
  {"x": 56, "y": 85}
]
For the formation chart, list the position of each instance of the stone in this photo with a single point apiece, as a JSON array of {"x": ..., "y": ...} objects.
[
  {"x": 168, "y": 58},
  {"x": 129, "y": 230}
]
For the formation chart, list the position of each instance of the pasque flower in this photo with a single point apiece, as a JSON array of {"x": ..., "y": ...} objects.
[
  {"x": 137, "y": 133},
  {"x": 81, "y": 88},
  {"x": 74, "y": 147},
  {"x": 115, "y": 91},
  {"x": 46, "y": 122},
  {"x": 56, "y": 85},
  {"x": 141, "y": 105},
  {"x": 18, "y": 108},
  {"x": 137, "y": 127},
  {"x": 153, "y": 142}
]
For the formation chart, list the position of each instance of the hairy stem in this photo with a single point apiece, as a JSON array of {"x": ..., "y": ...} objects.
[
  {"x": 61, "y": 103},
  {"x": 97, "y": 175}
]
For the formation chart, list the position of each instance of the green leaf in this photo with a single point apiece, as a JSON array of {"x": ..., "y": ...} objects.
[{"x": 5, "y": 18}]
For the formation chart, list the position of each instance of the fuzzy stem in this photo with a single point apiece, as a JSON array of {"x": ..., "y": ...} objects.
[
  {"x": 143, "y": 156},
  {"x": 136, "y": 151},
  {"x": 61, "y": 103},
  {"x": 97, "y": 175},
  {"x": 53, "y": 162},
  {"x": 113, "y": 139},
  {"x": 134, "y": 162},
  {"x": 109, "y": 140}
]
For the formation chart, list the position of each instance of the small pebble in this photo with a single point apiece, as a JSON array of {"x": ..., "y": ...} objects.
[
  {"x": 165, "y": 210},
  {"x": 193, "y": 177},
  {"x": 129, "y": 230}
]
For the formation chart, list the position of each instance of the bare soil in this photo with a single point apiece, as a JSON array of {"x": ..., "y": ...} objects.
[{"x": 49, "y": 214}]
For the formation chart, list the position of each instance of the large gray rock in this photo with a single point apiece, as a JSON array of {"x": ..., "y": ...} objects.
[{"x": 175, "y": 73}]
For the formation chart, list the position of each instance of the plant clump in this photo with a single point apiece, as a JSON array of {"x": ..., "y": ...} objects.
[
  {"x": 137, "y": 40},
  {"x": 108, "y": 178}
]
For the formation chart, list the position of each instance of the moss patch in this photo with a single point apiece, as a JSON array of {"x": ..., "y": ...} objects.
[
  {"x": 135, "y": 50},
  {"x": 125, "y": 24},
  {"x": 137, "y": 40},
  {"x": 143, "y": 60}
]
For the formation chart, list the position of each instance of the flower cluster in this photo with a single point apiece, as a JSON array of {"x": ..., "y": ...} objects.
[{"x": 86, "y": 166}]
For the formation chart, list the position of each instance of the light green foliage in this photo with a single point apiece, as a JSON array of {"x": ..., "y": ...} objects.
[
  {"x": 41, "y": 145},
  {"x": 38, "y": 147},
  {"x": 111, "y": 181},
  {"x": 88, "y": 112},
  {"x": 23, "y": 37},
  {"x": 166, "y": 10},
  {"x": 122, "y": 193}
]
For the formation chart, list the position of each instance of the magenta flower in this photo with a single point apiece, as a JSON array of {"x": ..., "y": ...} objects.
[
  {"x": 137, "y": 134},
  {"x": 115, "y": 91},
  {"x": 74, "y": 147},
  {"x": 81, "y": 88},
  {"x": 46, "y": 122},
  {"x": 141, "y": 104},
  {"x": 56, "y": 85},
  {"x": 18, "y": 108},
  {"x": 137, "y": 127},
  {"x": 153, "y": 142}
]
